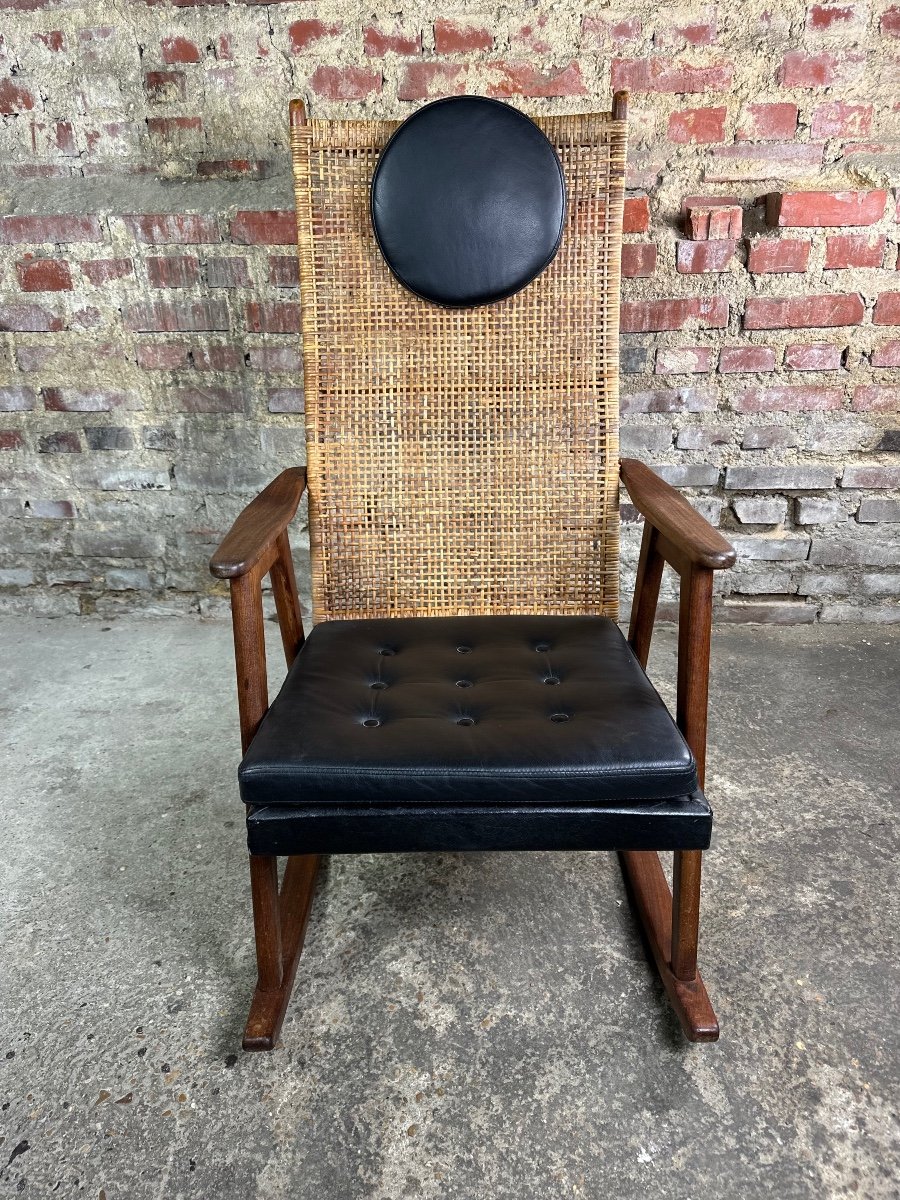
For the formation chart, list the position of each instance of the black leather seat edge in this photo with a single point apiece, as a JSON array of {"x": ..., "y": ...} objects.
[{"x": 684, "y": 824}]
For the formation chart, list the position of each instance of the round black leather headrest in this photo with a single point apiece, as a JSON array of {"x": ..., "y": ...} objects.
[{"x": 468, "y": 201}]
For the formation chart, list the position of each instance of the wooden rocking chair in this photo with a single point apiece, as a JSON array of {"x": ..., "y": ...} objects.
[{"x": 465, "y": 686}]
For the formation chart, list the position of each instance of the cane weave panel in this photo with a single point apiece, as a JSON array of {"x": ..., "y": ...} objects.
[{"x": 459, "y": 461}]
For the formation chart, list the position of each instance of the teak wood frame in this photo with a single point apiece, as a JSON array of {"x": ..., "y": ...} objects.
[{"x": 674, "y": 533}]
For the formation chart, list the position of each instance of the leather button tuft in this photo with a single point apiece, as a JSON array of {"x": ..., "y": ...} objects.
[
  {"x": 551, "y": 679},
  {"x": 463, "y": 649},
  {"x": 379, "y": 685},
  {"x": 559, "y": 717},
  {"x": 387, "y": 651},
  {"x": 464, "y": 683},
  {"x": 542, "y": 647},
  {"x": 465, "y": 721},
  {"x": 371, "y": 722}
]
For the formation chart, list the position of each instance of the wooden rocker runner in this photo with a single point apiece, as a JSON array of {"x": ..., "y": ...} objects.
[{"x": 465, "y": 685}]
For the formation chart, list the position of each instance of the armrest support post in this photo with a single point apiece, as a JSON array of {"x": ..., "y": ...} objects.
[{"x": 249, "y": 654}]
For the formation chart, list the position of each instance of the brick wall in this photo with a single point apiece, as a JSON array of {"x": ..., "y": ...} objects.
[{"x": 149, "y": 365}]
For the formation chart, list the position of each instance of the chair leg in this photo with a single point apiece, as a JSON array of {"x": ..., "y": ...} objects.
[
  {"x": 280, "y": 924},
  {"x": 675, "y": 958}
]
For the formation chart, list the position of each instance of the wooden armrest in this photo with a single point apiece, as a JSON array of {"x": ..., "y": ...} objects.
[
  {"x": 259, "y": 525},
  {"x": 675, "y": 519}
]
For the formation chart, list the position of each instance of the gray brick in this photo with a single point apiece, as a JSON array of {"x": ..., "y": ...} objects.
[
  {"x": 785, "y": 547},
  {"x": 702, "y": 437},
  {"x": 645, "y": 439},
  {"x": 159, "y": 437},
  {"x": 880, "y": 585},
  {"x": 16, "y": 577},
  {"x": 670, "y": 400},
  {"x": 760, "y": 510},
  {"x": 889, "y": 442},
  {"x": 751, "y": 580},
  {"x": 17, "y": 399},
  {"x": 128, "y": 580},
  {"x": 818, "y": 583},
  {"x": 815, "y": 510},
  {"x": 108, "y": 437},
  {"x": 867, "y": 550},
  {"x": 768, "y": 437},
  {"x": 879, "y": 509},
  {"x": 633, "y": 359},
  {"x": 135, "y": 481},
  {"x": 766, "y": 612},
  {"x": 776, "y": 479},
  {"x": 118, "y": 543},
  {"x": 843, "y": 435},
  {"x": 687, "y": 474},
  {"x": 870, "y": 614}
]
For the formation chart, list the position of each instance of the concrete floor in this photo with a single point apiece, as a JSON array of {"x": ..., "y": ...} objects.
[{"x": 480, "y": 1026}]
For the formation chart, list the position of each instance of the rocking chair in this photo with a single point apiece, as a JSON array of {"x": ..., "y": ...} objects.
[{"x": 465, "y": 685}]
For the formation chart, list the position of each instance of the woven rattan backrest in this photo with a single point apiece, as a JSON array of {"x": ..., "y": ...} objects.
[{"x": 459, "y": 461}]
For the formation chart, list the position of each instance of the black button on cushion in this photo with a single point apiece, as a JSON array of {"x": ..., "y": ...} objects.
[
  {"x": 468, "y": 202},
  {"x": 618, "y": 741}
]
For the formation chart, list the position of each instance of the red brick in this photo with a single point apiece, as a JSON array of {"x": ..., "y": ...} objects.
[
  {"x": 176, "y": 229},
  {"x": 661, "y": 74},
  {"x": 11, "y": 439},
  {"x": 778, "y": 256},
  {"x": 164, "y": 316},
  {"x": 666, "y": 400},
  {"x": 217, "y": 358},
  {"x": 638, "y": 260},
  {"x": 767, "y": 123},
  {"x": 827, "y": 16},
  {"x": 275, "y": 358},
  {"x": 611, "y": 29},
  {"x": 232, "y": 168},
  {"x": 423, "y": 81},
  {"x": 684, "y": 360},
  {"x": 636, "y": 215},
  {"x": 163, "y": 356},
  {"x": 53, "y": 39},
  {"x": 887, "y": 309},
  {"x": 378, "y": 41},
  {"x": 207, "y": 400},
  {"x": 649, "y": 316},
  {"x": 814, "y": 356},
  {"x": 284, "y": 270},
  {"x": 886, "y": 355},
  {"x": 873, "y": 397},
  {"x": 698, "y": 31},
  {"x": 44, "y": 275},
  {"x": 65, "y": 138},
  {"x": 16, "y": 231},
  {"x": 817, "y": 209},
  {"x": 844, "y": 250},
  {"x": 837, "y": 119},
  {"x": 273, "y": 316},
  {"x": 714, "y": 222},
  {"x": 452, "y": 37},
  {"x": 345, "y": 83},
  {"x": 286, "y": 400},
  {"x": 169, "y": 128},
  {"x": 804, "y": 312},
  {"x": 890, "y": 22},
  {"x": 698, "y": 125},
  {"x": 799, "y": 69},
  {"x": 532, "y": 36},
  {"x": 82, "y": 400},
  {"x": 788, "y": 398},
  {"x": 177, "y": 271},
  {"x": 307, "y": 33},
  {"x": 277, "y": 227},
  {"x": 524, "y": 79},
  {"x": 28, "y": 318},
  {"x": 165, "y": 87},
  {"x": 735, "y": 360},
  {"x": 14, "y": 98},
  {"x": 106, "y": 270},
  {"x": 179, "y": 50},
  {"x": 699, "y": 258}
]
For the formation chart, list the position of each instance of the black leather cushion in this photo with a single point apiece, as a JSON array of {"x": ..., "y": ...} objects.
[
  {"x": 466, "y": 710},
  {"x": 468, "y": 201}
]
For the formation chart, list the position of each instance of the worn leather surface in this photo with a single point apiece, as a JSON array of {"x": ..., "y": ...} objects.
[
  {"x": 430, "y": 711},
  {"x": 335, "y": 829},
  {"x": 468, "y": 201}
]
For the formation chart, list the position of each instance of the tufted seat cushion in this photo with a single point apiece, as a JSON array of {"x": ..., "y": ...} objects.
[{"x": 461, "y": 711}]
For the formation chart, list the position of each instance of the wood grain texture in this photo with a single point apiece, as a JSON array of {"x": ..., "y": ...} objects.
[
  {"x": 259, "y": 525},
  {"x": 674, "y": 517},
  {"x": 646, "y": 594},
  {"x": 287, "y": 602}
]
